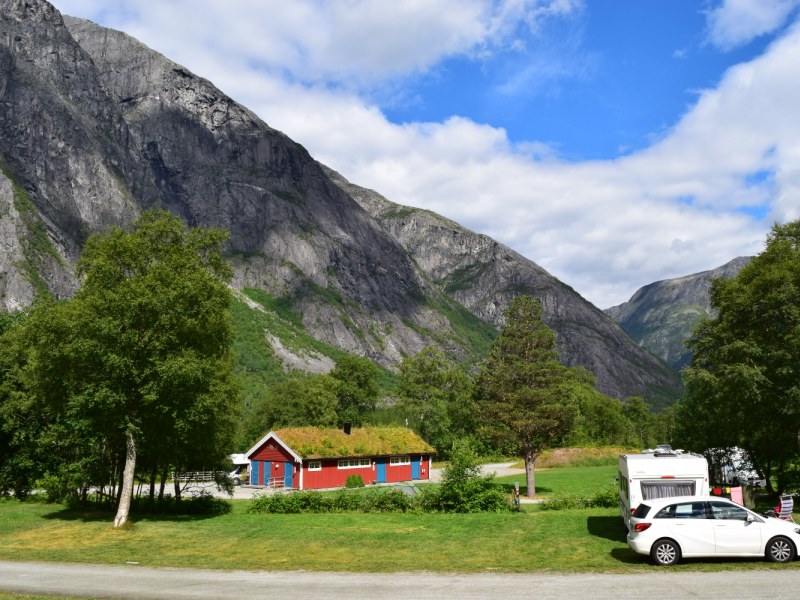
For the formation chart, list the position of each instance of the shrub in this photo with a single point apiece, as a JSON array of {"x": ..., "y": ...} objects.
[
  {"x": 464, "y": 489},
  {"x": 344, "y": 501},
  {"x": 204, "y": 504},
  {"x": 354, "y": 481},
  {"x": 393, "y": 500},
  {"x": 606, "y": 498}
]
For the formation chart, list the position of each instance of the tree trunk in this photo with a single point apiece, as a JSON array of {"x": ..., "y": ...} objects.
[
  {"x": 530, "y": 477},
  {"x": 153, "y": 475},
  {"x": 127, "y": 481},
  {"x": 164, "y": 473}
]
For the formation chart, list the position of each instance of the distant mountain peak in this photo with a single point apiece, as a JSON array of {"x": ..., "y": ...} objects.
[{"x": 661, "y": 316}]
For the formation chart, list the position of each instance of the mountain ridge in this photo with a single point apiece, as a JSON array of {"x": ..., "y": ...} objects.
[
  {"x": 96, "y": 128},
  {"x": 662, "y": 315}
]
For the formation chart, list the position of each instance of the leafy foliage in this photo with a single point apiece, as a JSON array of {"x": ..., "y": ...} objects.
[
  {"x": 526, "y": 398},
  {"x": 375, "y": 500},
  {"x": 354, "y": 481},
  {"x": 743, "y": 385},
  {"x": 436, "y": 396},
  {"x": 134, "y": 371},
  {"x": 357, "y": 390},
  {"x": 605, "y": 498},
  {"x": 464, "y": 489}
]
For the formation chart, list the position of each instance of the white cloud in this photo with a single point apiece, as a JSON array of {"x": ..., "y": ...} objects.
[
  {"x": 603, "y": 227},
  {"x": 737, "y": 22},
  {"x": 355, "y": 43}
]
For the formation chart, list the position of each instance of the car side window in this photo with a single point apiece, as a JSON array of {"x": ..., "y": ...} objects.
[
  {"x": 684, "y": 510},
  {"x": 729, "y": 512},
  {"x": 668, "y": 512}
]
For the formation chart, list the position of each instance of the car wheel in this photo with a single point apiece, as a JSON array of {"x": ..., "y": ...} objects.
[
  {"x": 665, "y": 552},
  {"x": 780, "y": 550},
  {"x": 237, "y": 481}
]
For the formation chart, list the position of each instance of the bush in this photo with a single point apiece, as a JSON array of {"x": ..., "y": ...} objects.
[
  {"x": 464, "y": 489},
  {"x": 203, "y": 504},
  {"x": 393, "y": 500},
  {"x": 354, "y": 481},
  {"x": 344, "y": 501},
  {"x": 607, "y": 498}
]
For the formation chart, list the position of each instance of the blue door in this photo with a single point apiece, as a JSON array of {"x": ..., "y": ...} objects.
[
  {"x": 266, "y": 473},
  {"x": 380, "y": 470},
  {"x": 415, "y": 467},
  {"x": 288, "y": 470},
  {"x": 254, "y": 467}
]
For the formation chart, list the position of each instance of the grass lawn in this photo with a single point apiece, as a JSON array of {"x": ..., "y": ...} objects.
[
  {"x": 533, "y": 540},
  {"x": 573, "y": 480}
]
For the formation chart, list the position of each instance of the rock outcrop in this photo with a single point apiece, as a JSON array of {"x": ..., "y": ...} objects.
[{"x": 95, "y": 128}]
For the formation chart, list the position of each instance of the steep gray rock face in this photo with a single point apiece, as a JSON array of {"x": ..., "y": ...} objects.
[
  {"x": 95, "y": 128},
  {"x": 661, "y": 316},
  {"x": 485, "y": 275},
  {"x": 293, "y": 232},
  {"x": 52, "y": 104},
  {"x": 15, "y": 291}
]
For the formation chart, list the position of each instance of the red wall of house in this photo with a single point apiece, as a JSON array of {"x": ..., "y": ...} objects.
[
  {"x": 277, "y": 456},
  {"x": 272, "y": 451},
  {"x": 332, "y": 477}
]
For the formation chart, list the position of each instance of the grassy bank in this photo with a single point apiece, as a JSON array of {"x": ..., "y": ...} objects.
[
  {"x": 573, "y": 480},
  {"x": 533, "y": 540}
]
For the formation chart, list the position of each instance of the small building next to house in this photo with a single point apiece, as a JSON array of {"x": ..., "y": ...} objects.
[{"x": 310, "y": 458}]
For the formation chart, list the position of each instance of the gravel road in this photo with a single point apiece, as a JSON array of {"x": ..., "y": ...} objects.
[{"x": 138, "y": 583}]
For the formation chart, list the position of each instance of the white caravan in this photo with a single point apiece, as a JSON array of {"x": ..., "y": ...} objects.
[{"x": 659, "y": 473}]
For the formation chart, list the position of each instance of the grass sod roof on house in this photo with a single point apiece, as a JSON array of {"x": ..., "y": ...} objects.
[{"x": 313, "y": 442}]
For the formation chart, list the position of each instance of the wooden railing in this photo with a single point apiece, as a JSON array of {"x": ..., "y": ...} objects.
[{"x": 194, "y": 476}]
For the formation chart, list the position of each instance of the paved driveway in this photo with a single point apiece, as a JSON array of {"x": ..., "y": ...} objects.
[{"x": 132, "y": 582}]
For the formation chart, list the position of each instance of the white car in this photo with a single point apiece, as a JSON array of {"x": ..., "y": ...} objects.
[{"x": 668, "y": 529}]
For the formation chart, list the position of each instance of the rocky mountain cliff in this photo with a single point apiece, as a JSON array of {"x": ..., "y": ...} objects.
[
  {"x": 661, "y": 316},
  {"x": 95, "y": 128},
  {"x": 484, "y": 275}
]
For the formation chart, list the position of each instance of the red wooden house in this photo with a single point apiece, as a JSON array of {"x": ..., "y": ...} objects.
[{"x": 308, "y": 458}]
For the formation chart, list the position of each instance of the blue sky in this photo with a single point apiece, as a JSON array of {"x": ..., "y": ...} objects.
[{"x": 614, "y": 142}]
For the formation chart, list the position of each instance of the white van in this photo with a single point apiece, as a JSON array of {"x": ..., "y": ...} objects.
[
  {"x": 659, "y": 473},
  {"x": 241, "y": 466}
]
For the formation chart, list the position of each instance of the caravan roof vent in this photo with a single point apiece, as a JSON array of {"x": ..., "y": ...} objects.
[{"x": 665, "y": 450}]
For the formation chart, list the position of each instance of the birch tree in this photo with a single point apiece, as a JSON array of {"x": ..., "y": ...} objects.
[{"x": 140, "y": 356}]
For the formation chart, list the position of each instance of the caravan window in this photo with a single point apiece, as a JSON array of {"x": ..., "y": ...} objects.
[{"x": 667, "y": 488}]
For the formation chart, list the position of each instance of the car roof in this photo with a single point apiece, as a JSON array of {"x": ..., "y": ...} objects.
[{"x": 675, "y": 499}]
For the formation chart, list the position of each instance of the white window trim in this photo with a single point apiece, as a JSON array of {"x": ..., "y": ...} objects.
[
  {"x": 315, "y": 465},
  {"x": 360, "y": 463},
  {"x": 399, "y": 460}
]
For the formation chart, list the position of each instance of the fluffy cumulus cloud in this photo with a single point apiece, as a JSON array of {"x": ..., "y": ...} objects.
[
  {"x": 702, "y": 194},
  {"x": 737, "y": 22}
]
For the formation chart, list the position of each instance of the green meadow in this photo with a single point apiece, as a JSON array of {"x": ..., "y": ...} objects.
[{"x": 575, "y": 540}]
